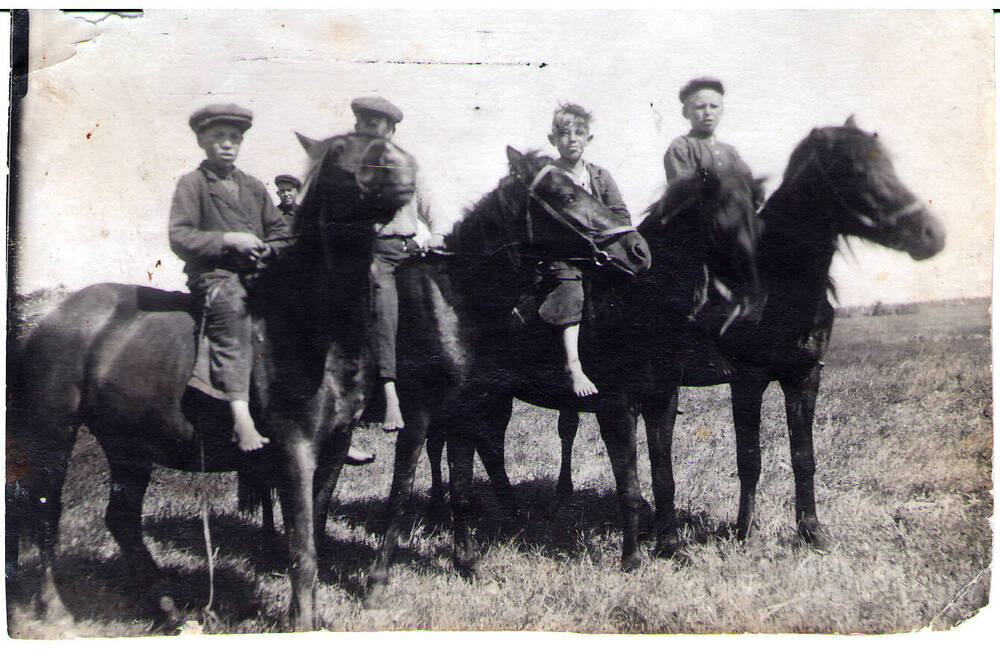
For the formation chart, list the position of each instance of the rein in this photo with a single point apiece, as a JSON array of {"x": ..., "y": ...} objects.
[{"x": 600, "y": 256}]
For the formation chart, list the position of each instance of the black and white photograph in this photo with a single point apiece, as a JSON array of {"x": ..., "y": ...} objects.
[{"x": 548, "y": 319}]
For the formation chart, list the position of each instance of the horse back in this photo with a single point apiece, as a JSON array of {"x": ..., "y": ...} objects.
[
  {"x": 107, "y": 353},
  {"x": 435, "y": 343}
]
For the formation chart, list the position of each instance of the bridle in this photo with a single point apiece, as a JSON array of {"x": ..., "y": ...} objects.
[
  {"x": 862, "y": 217},
  {"x": 599, "y": 256}
]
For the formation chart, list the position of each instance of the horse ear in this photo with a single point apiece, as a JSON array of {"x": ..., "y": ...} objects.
[
  {"x": 849, "y": 123},
  {"x": 313, "y": 147},
  {"x": 514, "y": 156},
  {"x": 516, "y": 161}
]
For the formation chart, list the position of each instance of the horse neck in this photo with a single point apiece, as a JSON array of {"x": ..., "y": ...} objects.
[
  {"x": 488, "y": 260},
  {"x": 322, "y": 295},
  {"x": 797, "y": 246}
]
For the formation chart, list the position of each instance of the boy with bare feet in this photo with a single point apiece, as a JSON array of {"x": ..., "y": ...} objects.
[
  {"x": 220, "y": 221},
  {"x": 563, "y": 303}
]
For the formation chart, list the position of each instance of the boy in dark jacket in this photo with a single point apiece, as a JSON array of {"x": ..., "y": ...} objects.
[{"x": 220, "y": 220}]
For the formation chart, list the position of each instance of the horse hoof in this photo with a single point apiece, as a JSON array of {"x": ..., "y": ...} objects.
[
  {"x": 467, "y": 567},
  {"x": 171, "y": 613},
  {"x": 813, "y": 534},
  {"x": 631, "y": 563},
  {"x": 669, "y": 548},
  {"x": 57, "y": 615},
  {"x": 375, "y": 596}
]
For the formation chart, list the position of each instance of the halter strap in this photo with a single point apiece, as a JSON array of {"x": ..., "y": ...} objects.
[
  {"x": 891, "y": 218},
  {"x": 602, "y": 234}
]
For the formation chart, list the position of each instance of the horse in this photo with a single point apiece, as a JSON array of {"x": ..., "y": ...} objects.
[
  {"x": 464, "y": 355},
  {"x": 118, "y": 358},
  {"x": 839, "y": 183}
]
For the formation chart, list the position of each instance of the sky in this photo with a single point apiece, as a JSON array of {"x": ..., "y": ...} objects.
[{"x": 105, "y": 133}]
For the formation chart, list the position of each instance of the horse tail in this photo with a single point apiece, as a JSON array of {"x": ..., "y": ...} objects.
[{"x": 253, "y": 492}]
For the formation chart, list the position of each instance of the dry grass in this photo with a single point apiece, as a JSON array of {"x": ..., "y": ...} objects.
[{"x": 904, "y": 448}]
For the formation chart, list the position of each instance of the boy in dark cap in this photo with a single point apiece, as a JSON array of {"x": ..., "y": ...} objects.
[
  {"x": 561, "y": 282},
  {"x": 288, "y": 188},
  {"x": 220, "y": 220},
  {"x": 703, "y": 105},
  {"x": 377, "y": 117}
]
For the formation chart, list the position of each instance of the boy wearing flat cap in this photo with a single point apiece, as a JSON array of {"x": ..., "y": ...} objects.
[
  {"x": 220, "y": 221},
  {"x": 703, "y": 105},
  {"x": 288, "y": 188},
  {"x": 377, "y": 117}
]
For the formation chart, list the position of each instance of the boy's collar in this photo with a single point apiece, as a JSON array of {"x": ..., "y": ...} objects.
[
  {"x": 702, "y": 136},
  {"x": 580, "y": 165},
  {"x": 220, "y": 171}
]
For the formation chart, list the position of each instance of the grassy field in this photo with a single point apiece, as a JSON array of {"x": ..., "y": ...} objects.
[{"x": 904, "y": 448}]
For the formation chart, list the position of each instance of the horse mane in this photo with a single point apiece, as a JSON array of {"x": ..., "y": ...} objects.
[
  {"x": 705, "y": 183},
  {"x": 675, "y": 194},
  {"x": 781, "y": 224},
  {"x": 469, "y": 228}
]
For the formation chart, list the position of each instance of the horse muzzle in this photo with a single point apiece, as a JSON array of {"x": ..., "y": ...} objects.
[
  {"x": 389, "y": 197},
  {"x": 920, "y": 234},
  {"x": 627, "y": 252}
]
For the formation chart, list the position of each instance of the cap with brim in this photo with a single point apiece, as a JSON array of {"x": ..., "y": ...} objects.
[
  {"x": 377, "y": 105},
  {"x": 288, "y": 179},
  {"x": 221, "y": 113},
  {"x": 699, "y": 83}
]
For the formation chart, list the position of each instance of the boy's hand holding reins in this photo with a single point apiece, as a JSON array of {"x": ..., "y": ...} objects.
[{"x": 245, "y": 244}]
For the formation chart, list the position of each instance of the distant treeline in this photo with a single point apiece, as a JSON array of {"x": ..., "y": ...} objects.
[{"x": 880, "y": 309}]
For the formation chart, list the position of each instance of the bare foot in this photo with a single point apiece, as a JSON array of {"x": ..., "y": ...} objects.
[
  {"x": 356, "y": 457},
  {"x": 393, "y": 414},
  {"x": 244, "y": 431},
  {"x": 393, "y": 419},
  {"x": 247, "y": 438},
  {"x": 582, "y": 386}
]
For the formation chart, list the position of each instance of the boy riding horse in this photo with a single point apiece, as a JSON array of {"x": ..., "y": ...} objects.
[
  {"x": 220, "y": 222},
  {"x": 561, "y": 282}
]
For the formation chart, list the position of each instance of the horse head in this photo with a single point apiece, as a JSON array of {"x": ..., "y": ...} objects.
[
  {"x": 368, "y": 178},
  {"x": 562, "y": 218},
  {"x": 709, "y": 220},
  {"x": 855, "y": 179}
]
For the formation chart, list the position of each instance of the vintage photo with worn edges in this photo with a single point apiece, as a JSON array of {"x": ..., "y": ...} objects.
[{"x": 578, "y": 321}]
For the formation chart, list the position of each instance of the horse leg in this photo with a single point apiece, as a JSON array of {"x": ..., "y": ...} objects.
[
  {"x": 800, "y": 408},
  {"x": 123, "y": 517},
  {"x": 489, "y": 440},
  {"x": 409, "y": 442},
  {"x": 569, "y": 422},
  {"x": 461, "y": 452},
  {"x": 435, "y": 450},
  {"x": 50, "y": 463},
  {"x": 295, "y": 493},
  {"x": 618, "y": 421},
  {"x": 660, "y": 413},
  {"x": 329, "y": 464},
  {"x": 746, "y": 401}
]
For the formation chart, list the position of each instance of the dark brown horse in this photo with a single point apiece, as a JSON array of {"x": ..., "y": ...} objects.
[
  {"x": 117, "y": 358},
  {"x": 839, "y": 183},
  {"x": 464, "y": 356}
]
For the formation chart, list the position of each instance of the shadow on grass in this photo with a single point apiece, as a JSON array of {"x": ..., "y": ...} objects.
[
  {"x": 540, "y": 524},
  {"x": 103, "y": 592}
]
